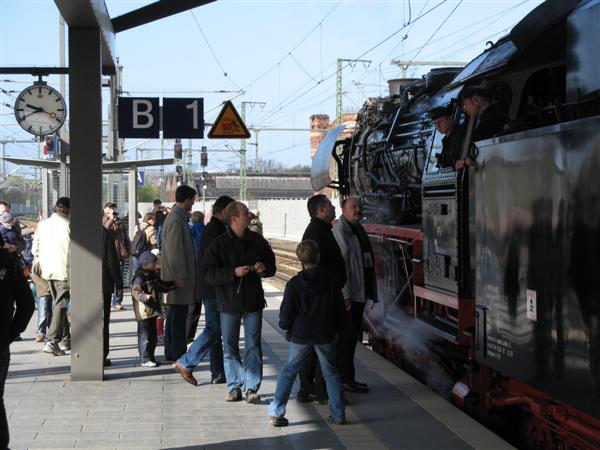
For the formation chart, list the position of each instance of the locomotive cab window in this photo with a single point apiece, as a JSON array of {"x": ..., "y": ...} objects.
[
  {"x": 447, "y": 142},
  {"x": 541, "y": 98}
]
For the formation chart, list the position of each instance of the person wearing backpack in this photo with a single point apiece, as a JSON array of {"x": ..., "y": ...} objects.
[{"x": 144, "y": 239}]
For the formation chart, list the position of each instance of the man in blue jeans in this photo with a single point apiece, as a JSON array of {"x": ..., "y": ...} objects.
[
  {"x": 210, "y": 339},
  {"x": 311, "y": 312},
  {"x": 234, "y": 265}
]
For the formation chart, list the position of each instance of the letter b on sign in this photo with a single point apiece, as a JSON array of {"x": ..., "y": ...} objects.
[{"x": 139, "y": 117}]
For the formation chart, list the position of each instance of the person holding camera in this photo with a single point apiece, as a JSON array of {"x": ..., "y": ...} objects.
[
  {"x": 112, "y": 280},
  {"x": 234, "y": 265},
  {"x": 118, "y": 226}
]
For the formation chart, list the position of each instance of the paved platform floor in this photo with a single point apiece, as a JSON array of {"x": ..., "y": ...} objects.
[{"x": 154, "y": 408}]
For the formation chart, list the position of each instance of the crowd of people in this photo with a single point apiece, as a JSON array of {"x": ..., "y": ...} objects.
[{"x": 180, "y": 265}]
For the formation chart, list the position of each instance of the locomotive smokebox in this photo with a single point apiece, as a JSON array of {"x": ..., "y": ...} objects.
[{"x": 395, "y": 84}]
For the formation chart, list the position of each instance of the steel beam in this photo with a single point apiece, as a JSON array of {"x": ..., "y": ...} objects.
[
  {"x": 85, "y": 105},
  {"x": 154, "y": 11},
  {"x": 91, "y": 14},
  {"x": 35, "y": 71}
]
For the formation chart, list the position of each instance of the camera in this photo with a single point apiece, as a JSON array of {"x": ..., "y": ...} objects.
[{"x": 251, "y": 268}]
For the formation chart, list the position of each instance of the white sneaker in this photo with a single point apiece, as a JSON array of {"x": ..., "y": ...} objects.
[{"x": 149, "y": 364}]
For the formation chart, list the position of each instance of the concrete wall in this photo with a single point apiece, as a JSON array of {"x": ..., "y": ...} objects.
[{"x": 285, "y": 218}]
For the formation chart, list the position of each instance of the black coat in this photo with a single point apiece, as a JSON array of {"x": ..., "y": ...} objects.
[
  {"x": 451, "y": 147},
  {"x": 312, "y": 307},
  {"x": 213, "y": 230},
  {"x": 15, "y": 292},
  {"x": 491, "y": 122},
  {"x": 111, "y": 269},
  {"x": 331, "y": 257},
  {"x": 238, "y": 295}
]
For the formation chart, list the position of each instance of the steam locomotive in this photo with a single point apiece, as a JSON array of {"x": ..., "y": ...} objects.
[{"x": 488, "y": 276}]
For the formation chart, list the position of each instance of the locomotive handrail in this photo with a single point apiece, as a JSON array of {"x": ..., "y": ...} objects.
[{"x": 415, "y": 133}]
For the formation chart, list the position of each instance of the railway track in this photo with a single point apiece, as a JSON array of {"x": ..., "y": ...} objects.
[{"x": 286, "y": 260}]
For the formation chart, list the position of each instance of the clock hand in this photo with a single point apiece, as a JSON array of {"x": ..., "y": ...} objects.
[
  {"x": 25, "y": 116},
  {"x": 37, "y": 109}
]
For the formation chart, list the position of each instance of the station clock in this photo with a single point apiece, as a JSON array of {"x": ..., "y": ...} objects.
[{"x": 40, "y": 109}]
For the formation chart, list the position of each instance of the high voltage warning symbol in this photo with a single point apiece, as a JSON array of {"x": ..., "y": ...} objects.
[{"x": 229, "y": 125}]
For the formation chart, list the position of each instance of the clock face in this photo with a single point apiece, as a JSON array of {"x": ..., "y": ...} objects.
[{"x": 40, "y": 110}]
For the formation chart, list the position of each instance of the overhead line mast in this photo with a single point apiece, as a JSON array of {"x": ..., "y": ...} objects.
[
  {"x": 339, "y": 92},
  {"x": 243, "y": 150}
]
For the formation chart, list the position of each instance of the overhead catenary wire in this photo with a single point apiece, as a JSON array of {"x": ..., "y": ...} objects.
[
  {"x": 320, "y": 23},
  {"x": 468, "y": 32},
  {"x": 302, "y": 68},
  {"x": 459, "y": 37},
  {"x": 387, "y": 38},
  {"x": 225, "y": 74},
  {"x": 437, "y": 29}
]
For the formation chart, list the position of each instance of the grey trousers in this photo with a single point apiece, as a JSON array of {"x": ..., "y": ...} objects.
[{"x": 59, "y": 327}]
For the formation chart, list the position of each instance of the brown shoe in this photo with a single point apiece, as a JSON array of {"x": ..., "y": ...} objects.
[{"x": 186, "y": 374}]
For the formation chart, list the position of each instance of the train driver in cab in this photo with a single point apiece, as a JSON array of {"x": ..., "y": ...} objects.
[
  {"x": 442, "y": 118},
  {"x": 490, "y": 118}
]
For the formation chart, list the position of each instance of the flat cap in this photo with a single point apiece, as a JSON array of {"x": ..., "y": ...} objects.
[
  {"x": 147, "y": 258},
  {"x": 440, "y": 111},
  {"x": 470, "y": 91},
  {"x": 64, "y": 202}
]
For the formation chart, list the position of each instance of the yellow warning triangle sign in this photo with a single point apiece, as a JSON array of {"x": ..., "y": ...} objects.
[{"x": 229, "y": 125}]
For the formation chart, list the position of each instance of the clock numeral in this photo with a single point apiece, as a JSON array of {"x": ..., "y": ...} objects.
[
  {"x": 29, "y": 92},
  {"x": 58, "y": 100},
  {"x": 60, "y": 109}
]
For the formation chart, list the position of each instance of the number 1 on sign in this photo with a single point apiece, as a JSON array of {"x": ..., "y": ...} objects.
[{"x": 194, "y": 107}]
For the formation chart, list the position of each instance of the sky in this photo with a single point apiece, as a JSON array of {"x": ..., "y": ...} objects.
[{"x": 280, "y": 54}]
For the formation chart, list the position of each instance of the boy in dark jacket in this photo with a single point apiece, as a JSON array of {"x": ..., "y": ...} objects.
[
  {"x": 312, "y": 305},
  {"x": 145, "y": 287}
]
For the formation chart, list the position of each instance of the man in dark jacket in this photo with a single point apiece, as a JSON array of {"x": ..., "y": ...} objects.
[
  {"x": 321, "y": 212},
  {"x": 112, "y": 281},
  {"x": 310, "y": 313},
  {"x": 234, "y": 265},
  {"x": 210, "y": 339},
  {"x": 443, "y": 120},
  {"x": 490, "y": 119},
  {"x": 15, "y": 293}
]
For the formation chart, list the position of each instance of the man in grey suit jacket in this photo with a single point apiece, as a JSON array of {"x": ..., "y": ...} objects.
[
  {"x": 178, "y": 264},
  {"x": 360, "y": 286}
]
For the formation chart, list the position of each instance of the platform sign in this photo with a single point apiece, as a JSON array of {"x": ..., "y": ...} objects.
[
  {"x": 140, "y": 178},
  {"x": 183, "y": 118},
  {"x": 229, "y": 125},
  {"x": 139, "y": 117}
]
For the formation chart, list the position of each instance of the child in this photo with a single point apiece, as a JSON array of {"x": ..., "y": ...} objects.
[
  {"x": 311, "y": 308},
  {"x": 145, "y": 287},
  {"x": 43, "y": 300}
]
